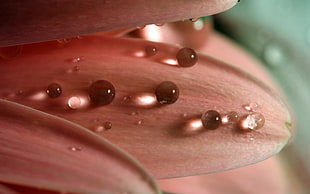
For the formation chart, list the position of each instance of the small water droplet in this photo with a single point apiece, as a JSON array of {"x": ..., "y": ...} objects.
[
  {"x": 101, "y": 92},
  {"x": 160, "y": 24},
  {"x": 274, "y": 55},
  {"x": 199, "y": 24},
  {"x": 230, "y": 117},
  {"x": 167, "y": 92},
  {"x": 75, "y": 148},
  {"x": 194, "y": 19},
  {"x": 64, "y": 41},
  {"x": 251, "y": 107},
  {"x": 184, "y": 115},
  {"x": 99, "y": 129},
  {"x": 134, "y": 113},
  {"x": 54, "y": 90},
  {"x": 10, "y": 52},
  {"x": 107, "y": 125},
  {"x": 150, "y": 50},
  {"x": 252, "y": 121},
  {"x": 186, "y": 57},
  {"x": 140, "y": 122},
  {"x": 74, "y": 102},
  {"x": 252, "y": 139},
  {"x": 77, "y": 59},
  {"x": 211, "y": 120}
]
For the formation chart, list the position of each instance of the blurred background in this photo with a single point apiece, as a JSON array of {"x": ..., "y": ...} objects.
[{"x": 277, "y": 32}]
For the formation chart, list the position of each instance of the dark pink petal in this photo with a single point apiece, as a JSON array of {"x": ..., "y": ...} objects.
[
  {"x": 44, "y": 151},
  {"x": 34, "y": 21},
  {"x": 165, "y": 138}
]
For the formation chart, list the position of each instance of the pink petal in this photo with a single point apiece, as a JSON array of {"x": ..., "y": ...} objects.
[
  {"x": 34, "y": 21},
  {"x": 264, "y": 177},
  {"x": 160, "y": 136},
  {"x": 44, "y": 151}
]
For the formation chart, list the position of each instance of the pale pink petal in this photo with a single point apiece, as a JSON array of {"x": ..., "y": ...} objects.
[
  {"x": 163, "y": 137},
  {"x": 33, "y": 21},
  {"x": 44, "y": 151},
  {"x": 264, "y": 177}
]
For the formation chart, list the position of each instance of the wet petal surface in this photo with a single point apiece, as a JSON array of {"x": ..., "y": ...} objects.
[
  {"x": 47, "y": 152},
  {"x": 167, "y": 139},
  {"x": 26, "y": 22}
]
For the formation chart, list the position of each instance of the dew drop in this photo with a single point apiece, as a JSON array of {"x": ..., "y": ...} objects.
[
  {"x": 64, "y": 41},
  {"x": 150, "y": 50},
  {"x": 252, "y": 121},
  {"x": 107, "y": 125},
  {"x": 167, "y": 92},
  {"x": 230, "y": 117},
  {"x": 54, "y": 90},
  {"x": 74, "y": 102},
  {"x": 194, "y": 19},
  {"x": 140, "y": 122},
  {"x": 251, "y": 107},
  {"x": 101, "y": 92},
  {"x": 75, "y": 148},
  {"x": 160, "y": 24},
  {"x": 77, "y": 59},
  {"x": 211, "y": 120},
  {"x": 134, "y": 113},
  {"x": 10, "y": 52},
  {"x": 186, "y": 57}
]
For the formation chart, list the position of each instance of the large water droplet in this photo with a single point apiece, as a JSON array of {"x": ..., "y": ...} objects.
[
  {"x": 101, "y": 92},
  {"x": 54, "y": 90},
  {"x": 252, "y": 121},
  {"x": 211, "y": 120},
  {"x": 167, "y": 92},
  {"x": 186, "y": 57}
]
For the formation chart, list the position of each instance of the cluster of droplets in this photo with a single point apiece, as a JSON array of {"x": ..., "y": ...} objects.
[{"x": 212, "y": 119}]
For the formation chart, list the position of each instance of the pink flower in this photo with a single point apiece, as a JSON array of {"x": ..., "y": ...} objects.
[{"x": 64, "y": 129}]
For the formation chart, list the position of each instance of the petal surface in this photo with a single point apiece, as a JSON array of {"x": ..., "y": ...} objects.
[
  {"x": 165, "y": 138},
  {"x": 44, "y": 151},
  {"x": 26, "y": 22}
]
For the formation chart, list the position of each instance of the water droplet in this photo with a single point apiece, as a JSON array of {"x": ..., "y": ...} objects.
[
  {"x": 251, "y": 107},
  {"x": 211, "y": 120},
  {"x": 160, "y": 24},
  {"x": 140, "y": 27},
  {"x": 167, "y": 92},
  {"x": 74, "y": 69},
  {"x": 134, "y": 113},
  {"x": 10, "y": 52},
  {"x": 101, "y": 92},
  {"x": 230, "y": 117},
  {"x": 186, "y": 57},
  {"x": 150, "y": 50},
  {"x": 274, "y": 55},
  {"x": 75, "y": 148},
  {"x": 64, "y": 41},
  {"x": 77, "y": 59},
  {"x": 74, "y": 102},
  {"x": 198, "y": 25},
  {"x": 99, "y": 129},
  {"x": 184, "y": 115},
  {"x": 140, "y": 122},
  {"x": 252, "y": 121},
  {"x": 194, "y": 19},
  {"x": 107, "y": 125},
  {"x": 53, "y": 90}
]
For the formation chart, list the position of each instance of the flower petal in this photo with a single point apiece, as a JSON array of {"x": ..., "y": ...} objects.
[
  {"x": 26, "y": 22},
  {"x": 44, "y": 151},
  {"x": 162, "y": 137}
]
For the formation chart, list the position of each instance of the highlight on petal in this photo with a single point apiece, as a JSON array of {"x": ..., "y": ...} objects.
[
  {"x": 35, "y": 21},
  {"x": 169, "y": 139},
  {"x": 44, "y": 151}
]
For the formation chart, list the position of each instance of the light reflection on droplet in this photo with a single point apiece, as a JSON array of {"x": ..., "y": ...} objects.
[
  {"x": 141, "y": 100},
  {"x": 253, "y": 106},
  {"x": 38, "y": 96},
  {"x": 77, "y": 59},
  {"x": 140, "y": 122},
  {"x": 198, "y": 25},
  {"x": 77, "y": 102},
  {"x": 169, "y": 61},
  {"x": 192, "y": 126},
  {"x": 75, "y": 148}
]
